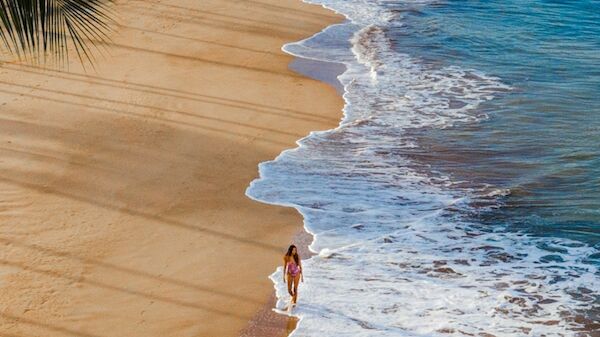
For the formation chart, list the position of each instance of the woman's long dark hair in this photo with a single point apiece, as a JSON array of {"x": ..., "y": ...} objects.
[{"x": 289, "y": 253}]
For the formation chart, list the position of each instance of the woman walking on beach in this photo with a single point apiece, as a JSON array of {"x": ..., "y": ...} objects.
[{"x": 292, "y": 267}]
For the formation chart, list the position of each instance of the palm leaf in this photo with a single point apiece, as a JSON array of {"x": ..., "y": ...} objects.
[{"x": 34, "y": 28}]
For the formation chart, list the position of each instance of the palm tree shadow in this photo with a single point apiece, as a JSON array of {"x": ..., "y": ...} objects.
[
  {"x": 120, "y": 289},
  {"x": 110, "y": 174},
  {"x": 46, "y": 326},
  {"x": 171, "y": 93},
  {"x": 132, "y": 272}
]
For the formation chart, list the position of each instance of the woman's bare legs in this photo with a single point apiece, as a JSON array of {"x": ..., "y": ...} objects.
[
  {"x": 296, "y": 280},
  {"x": 290, "y": 279}
]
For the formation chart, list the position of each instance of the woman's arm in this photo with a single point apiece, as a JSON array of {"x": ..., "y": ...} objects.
[
  {"x": 284, "y": 267},
  {"x": 300, "y": 266}
]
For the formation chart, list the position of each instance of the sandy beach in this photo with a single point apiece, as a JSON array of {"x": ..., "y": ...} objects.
[{"x": 122, "y": 206}]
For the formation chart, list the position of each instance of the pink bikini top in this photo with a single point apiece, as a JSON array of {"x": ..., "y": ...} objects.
[{"x": 293, "y": 268}]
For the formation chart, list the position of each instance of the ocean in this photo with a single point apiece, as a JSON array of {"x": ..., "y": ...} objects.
[{"x": 460, "y": 194}]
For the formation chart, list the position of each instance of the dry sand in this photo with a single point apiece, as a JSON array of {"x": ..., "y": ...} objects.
[{"x": 122, "y": 206}]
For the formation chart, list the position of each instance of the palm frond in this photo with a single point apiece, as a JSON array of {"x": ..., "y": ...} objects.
[{"x": 34, "y": 28}]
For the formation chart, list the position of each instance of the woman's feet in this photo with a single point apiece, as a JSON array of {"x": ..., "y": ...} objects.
[{"x": 293, "y": 299}]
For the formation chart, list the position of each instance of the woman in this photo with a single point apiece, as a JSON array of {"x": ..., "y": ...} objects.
[{"x": 293, "y": 269}]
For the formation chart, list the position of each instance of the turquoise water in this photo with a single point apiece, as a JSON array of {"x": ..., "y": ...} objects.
[
  {"x": 542, "y": 139},
  {"x": 460, "y": 193}
]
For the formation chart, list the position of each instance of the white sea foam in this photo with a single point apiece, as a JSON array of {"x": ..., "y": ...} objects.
[{"x": 394, "y": 256}]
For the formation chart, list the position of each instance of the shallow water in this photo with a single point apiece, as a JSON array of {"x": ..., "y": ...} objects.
[{"x": 459, "y": 196}]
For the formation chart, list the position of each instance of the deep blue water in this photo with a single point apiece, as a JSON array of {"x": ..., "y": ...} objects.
[{"x": 542, "y": 139}]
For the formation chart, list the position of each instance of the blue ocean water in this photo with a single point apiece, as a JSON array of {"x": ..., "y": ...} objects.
[
  {"x": 542, "y": 141},
  {"x": 460, "y": 194}
]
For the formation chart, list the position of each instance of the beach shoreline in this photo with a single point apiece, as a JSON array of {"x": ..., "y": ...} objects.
[
  {"x": 266, "y": 322},
  {"x": 124, "y": 211}
]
